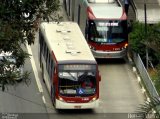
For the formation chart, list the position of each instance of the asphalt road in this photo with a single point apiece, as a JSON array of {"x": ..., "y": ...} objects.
[
  {"x": 119, "y": 89},
  {"x": 22, "y": 98}
]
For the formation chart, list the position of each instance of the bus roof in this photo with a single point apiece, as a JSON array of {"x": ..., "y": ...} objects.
[
  {"x": 66, "y": 41},
  {"x": 107, "y": 11}
]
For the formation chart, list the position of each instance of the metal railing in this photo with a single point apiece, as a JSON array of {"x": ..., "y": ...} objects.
[
  {"x": 133, "y": 6},
  {"x": 145, "y": 76}
]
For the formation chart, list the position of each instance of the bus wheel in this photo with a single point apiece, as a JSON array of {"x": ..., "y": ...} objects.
[{"x": 43, "y": 74}]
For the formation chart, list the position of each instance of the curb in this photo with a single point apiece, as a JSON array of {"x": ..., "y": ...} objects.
[{"x": 134, "y": 69}]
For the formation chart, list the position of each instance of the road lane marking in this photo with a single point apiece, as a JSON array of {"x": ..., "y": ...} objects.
[
  {"x": 34, "y": 69},
  {"x": 43, "y": 99}
]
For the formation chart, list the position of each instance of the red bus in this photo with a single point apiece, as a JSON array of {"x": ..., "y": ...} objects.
[
  {"x": 69, "y": 68},
  {"x": 104, "y": 25}
]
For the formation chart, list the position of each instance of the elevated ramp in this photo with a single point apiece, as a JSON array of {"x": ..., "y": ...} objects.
[{"x": 152, "y": 10}]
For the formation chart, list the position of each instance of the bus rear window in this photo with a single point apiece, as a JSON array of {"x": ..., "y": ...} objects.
[{"x": 77, "y": 83}]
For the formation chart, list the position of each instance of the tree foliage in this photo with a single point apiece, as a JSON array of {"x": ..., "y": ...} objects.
[
  {"x": 19, "y": 22},
  {"x": 138, "y": 38},
  {"x": 150, "y": 109}
]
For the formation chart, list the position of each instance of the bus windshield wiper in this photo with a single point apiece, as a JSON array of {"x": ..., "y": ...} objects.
[
  {"x": 72, "y": 76},
  {"x": 83, "y": 76}
]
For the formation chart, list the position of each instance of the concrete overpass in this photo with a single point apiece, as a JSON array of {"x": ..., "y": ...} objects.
[{"x": 136, "y": 12}]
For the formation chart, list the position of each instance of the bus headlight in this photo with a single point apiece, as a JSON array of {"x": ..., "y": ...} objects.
[
  {"x": 93, "y": 99},
  {"x": 126, "y": 45},
  {"x": 92, "y": 48},
  {"x": 61, "y": 99}
]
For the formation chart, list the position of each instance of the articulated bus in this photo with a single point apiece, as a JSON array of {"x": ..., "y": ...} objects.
[
  {"x": 104, "y": 25},
  {"x": 69, "y": 68}
]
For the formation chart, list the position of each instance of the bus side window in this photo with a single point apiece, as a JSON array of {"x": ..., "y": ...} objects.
[
  {"x": 48, "y": 63},
  {"x": 40, "y": 38},
  {"x": 41, "y": 43},
  {"x": 46, "y": 55},
  {"x": 86, "y": 30},
  {"x": 52, "y": 70},
  {"x": 44, "y": 50},
  {"x": 79, "y": 14}
]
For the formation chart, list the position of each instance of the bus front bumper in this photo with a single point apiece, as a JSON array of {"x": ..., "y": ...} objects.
[
  {"x": 65, "y": 105},
  {"x": 109, "y": 54}
]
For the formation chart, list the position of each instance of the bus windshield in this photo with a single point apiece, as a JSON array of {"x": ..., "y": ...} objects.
[
  {"x": 77, "y": 82},
  {"x": 110, "y": 31}
]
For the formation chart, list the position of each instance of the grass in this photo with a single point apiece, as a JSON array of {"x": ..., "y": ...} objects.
[{"x": 155, "y": 78}]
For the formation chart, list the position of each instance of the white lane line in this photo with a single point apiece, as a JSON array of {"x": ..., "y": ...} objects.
[
  {"x": 43, "y": 99},
  {"x": 34, "y": 69}
]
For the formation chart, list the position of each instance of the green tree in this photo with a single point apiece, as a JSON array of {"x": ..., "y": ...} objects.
[
  {"x": 154, "y": 37},
  {"x": 19, "y": 22},
  {"x": 137, "y": 38}
]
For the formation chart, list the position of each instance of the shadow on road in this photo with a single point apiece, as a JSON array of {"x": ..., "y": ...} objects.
[
  {"x": 111, "y": 61},
  {"x": 75, "y": 111}
]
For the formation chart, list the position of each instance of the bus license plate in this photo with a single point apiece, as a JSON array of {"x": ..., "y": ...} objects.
[{"x": 77, "y": 107}]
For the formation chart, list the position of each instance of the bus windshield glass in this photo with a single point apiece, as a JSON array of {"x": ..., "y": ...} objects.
[
  {"x": 110, "y": 31},
  {"x": 77, "y": 80}
]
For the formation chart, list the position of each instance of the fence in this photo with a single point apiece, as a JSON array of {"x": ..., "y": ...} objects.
[{"x": 145, "y": 76}]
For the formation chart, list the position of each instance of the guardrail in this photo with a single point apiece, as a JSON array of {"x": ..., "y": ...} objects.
[
  {"x": 133, "y": 6},
  {"x": 145, "y": 76}
]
